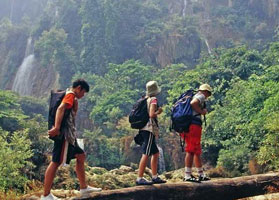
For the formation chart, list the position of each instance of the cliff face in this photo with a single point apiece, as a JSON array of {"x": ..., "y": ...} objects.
[
  {"x": 218, "y": 23},
  {"x": 196, "y": 26}
]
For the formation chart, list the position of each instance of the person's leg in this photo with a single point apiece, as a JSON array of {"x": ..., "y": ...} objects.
[
  {"x": 49, "y": 176},
  {"x": 80, "y": 171},
  {"x": 154, "y": 167},
  {"x": 189, "y": 157},
  {"x": 197, "y": 160},
  {"x": 188, "y": 164},
  {"x": 198, "y": 164},
  {"x": 154, "y": 164},
  {"x": 142, "y": 165},
  {"x": 140, "y": 180}
]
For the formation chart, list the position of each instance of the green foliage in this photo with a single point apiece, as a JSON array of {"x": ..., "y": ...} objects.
[
  {"x": 113, "y": 95},
  {"x": 103, "y": 151},
  {"x": 11, "y": 115},
  {"x": 271, "y": 55},
  {"x": 52, "y": 49},
  {"x": 32, "y": 106},
  {"x": 24, "y": 115},
  {"x": 235, "y": 159},
  {"x": 15, "y": 153}
]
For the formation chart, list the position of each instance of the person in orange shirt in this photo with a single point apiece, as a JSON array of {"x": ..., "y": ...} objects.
[{"x": 66, "y": 149}]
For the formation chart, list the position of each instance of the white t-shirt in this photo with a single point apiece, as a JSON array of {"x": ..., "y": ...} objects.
[
  {"x": 148, "y": 126},
  {"x": 200, "y": 96}
]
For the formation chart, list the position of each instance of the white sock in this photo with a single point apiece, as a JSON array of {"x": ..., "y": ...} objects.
[
  {"x": 154, "y": 176},
  {"x": 139, "y": 178},
  {"x": 188, "y": 172},
  {"x": 200, "y": 171}
]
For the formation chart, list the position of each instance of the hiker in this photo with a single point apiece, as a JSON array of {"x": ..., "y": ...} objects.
[
  {"x": 67, "y": 147},
  {"x": 148, "y": 133},
  {"x": 193, "y": 137}
]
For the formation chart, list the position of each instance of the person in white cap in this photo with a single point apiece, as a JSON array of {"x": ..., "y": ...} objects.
[
  {"x": 148, "y": 133},
  {"x": 193, "y": 137}
]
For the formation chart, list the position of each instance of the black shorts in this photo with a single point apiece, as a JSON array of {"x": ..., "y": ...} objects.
[
  {"x": 59, "y": 148},
  {"x": 149, "y": 146}
]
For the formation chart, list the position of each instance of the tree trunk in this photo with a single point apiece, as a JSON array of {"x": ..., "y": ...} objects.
[{"x": 219, "y": 189}]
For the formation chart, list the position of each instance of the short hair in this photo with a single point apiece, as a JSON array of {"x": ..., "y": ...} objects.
[{"x": 82, "y": 83}]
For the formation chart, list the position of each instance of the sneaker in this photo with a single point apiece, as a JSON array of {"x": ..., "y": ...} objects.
[
  {"x": 158, "y": 180},
  {"x": 191, "y": 179},
  {"x": 90, "y": 189},
  {"x": 49, "y": 197},
  {"x": 204, "y": 178},
  {"x": 143, "y": 181}
]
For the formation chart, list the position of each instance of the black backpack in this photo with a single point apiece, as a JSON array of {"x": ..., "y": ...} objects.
[
  {"x": 139, "y": 116},
  {"x": 56, "y": 98}
]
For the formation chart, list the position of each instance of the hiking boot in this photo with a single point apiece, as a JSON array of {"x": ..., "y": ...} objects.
[
  {"x": 49, "y": 197},
  {"x": 158, "y": 180},
  {"x": 191, "y": 179},
  {"x": 204, "y": 178},
  {"x": 89, "y": 189},
  {"x": 143, "y": 181}
]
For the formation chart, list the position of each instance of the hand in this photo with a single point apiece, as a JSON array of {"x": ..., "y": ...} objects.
[
  {"x": 204, "y": 111},
  {"x": 159, "y": 111},
  {"x": 53, "y": 132}
]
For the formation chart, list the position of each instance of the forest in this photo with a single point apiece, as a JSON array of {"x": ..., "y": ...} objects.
[{"x": 118, "y": 46}]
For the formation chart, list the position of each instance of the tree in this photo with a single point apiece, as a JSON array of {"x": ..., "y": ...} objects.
[
  {"x": 52, "y": 49},
  {"x": 15, "y": 153}
]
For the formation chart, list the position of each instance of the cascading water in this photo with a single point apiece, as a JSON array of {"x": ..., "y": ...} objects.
[
  {"x": 23, "y": 80},
  {"x": 208, "y": 47},
  {"x": 184, "y": 8},
  {"x": 161, "y": 161}
]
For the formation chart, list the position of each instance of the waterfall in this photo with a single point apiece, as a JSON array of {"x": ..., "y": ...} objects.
[
  {"x": 12, "y": 10},
  {"x": 184, "y": 8},
  {"x": 230, "y": 3},
  {"x": 161, "y": 161},
  {"x": 208, "y": 47},
  {"x": 23, "y": 79},
  {"x": 29, "y": 47}
]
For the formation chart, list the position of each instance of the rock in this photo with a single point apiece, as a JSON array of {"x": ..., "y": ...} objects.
[
  {"x": 274, "y": 196},
  {"x": 126, "y": 168},
  {"x": 97, "y": 170},
  {"x": 63, "y": 194}
]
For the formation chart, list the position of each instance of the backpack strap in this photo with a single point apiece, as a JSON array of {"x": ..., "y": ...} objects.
[{"x": 68, "y": 91}]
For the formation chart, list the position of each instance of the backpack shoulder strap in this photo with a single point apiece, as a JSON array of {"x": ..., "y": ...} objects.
[{"x": 70, "y": 92}]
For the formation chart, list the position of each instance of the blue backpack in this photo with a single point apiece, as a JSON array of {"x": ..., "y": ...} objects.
[{"x": 182, "y": 113}]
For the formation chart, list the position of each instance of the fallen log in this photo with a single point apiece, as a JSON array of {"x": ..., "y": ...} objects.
[
  {"x": 219, "y": 189},
  {"x": 273, "y": 196}
]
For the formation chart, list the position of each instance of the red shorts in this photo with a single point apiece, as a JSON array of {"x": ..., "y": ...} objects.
[{"x": 193, "y": 139}]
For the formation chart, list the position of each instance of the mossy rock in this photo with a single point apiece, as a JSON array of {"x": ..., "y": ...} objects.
[{"x": 97, "y": 170}]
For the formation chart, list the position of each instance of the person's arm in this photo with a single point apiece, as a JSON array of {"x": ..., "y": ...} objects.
[
  {"x": 75, "y": 106},
  {"x": 153, "y": 113},
  {"x": 195, "y": 103},
  {"x": 58, "y": 120}
]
